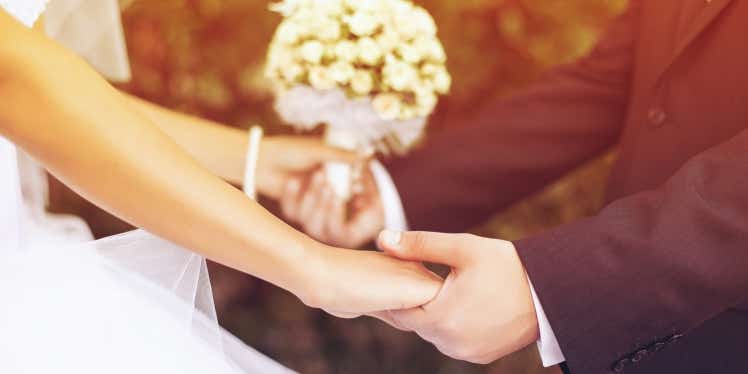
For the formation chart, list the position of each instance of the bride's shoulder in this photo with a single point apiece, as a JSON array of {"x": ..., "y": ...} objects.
[{"x": 26, "y": 11}]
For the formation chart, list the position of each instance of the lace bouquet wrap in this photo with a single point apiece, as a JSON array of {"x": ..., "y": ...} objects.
[{"x": 371, "y": 71}]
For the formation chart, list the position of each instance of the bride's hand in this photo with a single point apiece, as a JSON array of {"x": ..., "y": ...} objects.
[
  {"x": 349, "y": 283},
  {"x": 284, "y": 157}
]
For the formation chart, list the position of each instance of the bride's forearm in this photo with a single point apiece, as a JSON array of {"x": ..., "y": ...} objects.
[
  {"x": 221, "y": 149},
  {"x": 58, "y": 109}
]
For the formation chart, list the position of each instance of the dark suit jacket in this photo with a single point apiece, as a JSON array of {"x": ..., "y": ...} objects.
[{"x": 657, "y": 282}]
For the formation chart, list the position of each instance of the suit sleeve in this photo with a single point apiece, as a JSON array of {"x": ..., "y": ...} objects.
[
  {"x": 516, "y": 145},
  {"x": 650, "y": 267}
]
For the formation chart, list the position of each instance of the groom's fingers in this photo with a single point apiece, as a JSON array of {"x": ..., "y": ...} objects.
[
  {"x": 414, "y": 319},
  {"x": 446, "y": 249},
  {"x": 336, "y": 223},
  {"x": 310, "y": 198},
  {"x": 316, "y": 222},
  {"x": 290, "y": 197},
  {"x": 385, "y": 317}
]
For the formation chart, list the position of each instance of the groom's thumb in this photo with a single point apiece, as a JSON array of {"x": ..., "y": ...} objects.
[{"x": 445, "y": 249}]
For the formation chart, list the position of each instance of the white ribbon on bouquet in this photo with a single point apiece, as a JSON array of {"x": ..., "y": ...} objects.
[{"x": 351, "y": 124}]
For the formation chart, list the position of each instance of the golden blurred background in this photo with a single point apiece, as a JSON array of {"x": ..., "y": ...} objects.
[{"x": 205, "y": 57}]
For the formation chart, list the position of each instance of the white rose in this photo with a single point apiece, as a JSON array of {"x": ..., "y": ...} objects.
[
  {"x": 345, "y": 51},
  {"x": 400, "y": 8},
  {"x": 362, "y": 23},
  {"x": 402, "y": 18},
  {"x": 363, "y": 5},
  {"x": 320, "y": 78},
  {"x": 342, "y": 72},
  {"x": 280, "y": 56},
  {"x": 302, "y": 27},
  {"x": 312, "y": 51},
  {"x": 330, "y": 7},
  {"x": 430, "y": 70},
  {"x": 292, "y": 72},
  {"x": 362, "y": 83},
  {"x": 288, "y": 32},
  {"x": 369, "y": 51},
  {"x": 406, "y": 29},
  {"x": 423, "y": 22},
  {"x": 388, "y": 40},
  {"x": 391, "y": 59},
  {"x": 329, "y": 53},
  {"x": 329, "y": 30},
  {"x": 388, "y": 106},
  {"x": 426, "y": 101},
  {"x": 434, "y": 50},
  {"x": 308, "y": 15},
  {"x": 409, "y": 53},
  {"x": 399, "y": 75},
  {"x": 442, "y": 81},
  {"x": 286, "y": 7}
]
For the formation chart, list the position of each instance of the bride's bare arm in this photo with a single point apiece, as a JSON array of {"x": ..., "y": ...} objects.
[
  {"x": 55, "y": 107},
  {"x": 222, "y": 149}
]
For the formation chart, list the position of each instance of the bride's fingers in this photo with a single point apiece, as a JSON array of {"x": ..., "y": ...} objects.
[{"x": 364, "y": 226}]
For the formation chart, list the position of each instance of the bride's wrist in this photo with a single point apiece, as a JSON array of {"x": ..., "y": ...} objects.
[{"x": 312, "y": 271}]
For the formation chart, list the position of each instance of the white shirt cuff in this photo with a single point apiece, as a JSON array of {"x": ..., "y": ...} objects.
[
  {"x": 394, "y": 214},
  {"x": 550, "y": 351}
]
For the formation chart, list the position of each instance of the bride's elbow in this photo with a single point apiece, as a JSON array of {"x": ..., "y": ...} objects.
[
  {"x": 8, "y": 74},
  {"x": 10, "y": 65},
  {"x": 18, "y": 46},
  {"x": 14, "y": 87}
]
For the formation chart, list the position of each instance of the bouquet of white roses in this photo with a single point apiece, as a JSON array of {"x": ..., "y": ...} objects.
[{"x": 368, "y": 69}]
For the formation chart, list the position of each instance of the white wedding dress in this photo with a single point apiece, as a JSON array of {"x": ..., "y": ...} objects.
[{"x": 128, "y": 304}]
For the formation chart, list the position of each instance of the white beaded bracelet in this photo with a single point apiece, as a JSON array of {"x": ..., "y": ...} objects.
[{"x": 250, "y": 166}]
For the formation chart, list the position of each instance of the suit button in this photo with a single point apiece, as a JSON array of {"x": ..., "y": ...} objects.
[
  {"x": 674, "y": 338},
  {"x": 656, "y": 117},
  {"x": 639, "y": 355},
  {"x": 620, "y": 365}
]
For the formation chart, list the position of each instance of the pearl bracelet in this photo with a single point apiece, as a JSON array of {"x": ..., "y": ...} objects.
[{"x": 250, "y": 166}]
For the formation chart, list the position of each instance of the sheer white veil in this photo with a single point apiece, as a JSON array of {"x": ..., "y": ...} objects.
[
  {"x": 93, "y": 29},
  {"x": 161, "y": 273}
]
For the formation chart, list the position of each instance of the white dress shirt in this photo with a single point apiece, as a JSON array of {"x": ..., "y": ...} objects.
[{"x": 394, "y": 219}]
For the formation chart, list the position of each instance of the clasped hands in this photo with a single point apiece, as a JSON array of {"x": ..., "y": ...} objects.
[{"x": 483, "y": 309}]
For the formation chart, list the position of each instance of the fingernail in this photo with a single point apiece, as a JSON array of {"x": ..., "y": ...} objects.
[{"x": 390, "y": 238}]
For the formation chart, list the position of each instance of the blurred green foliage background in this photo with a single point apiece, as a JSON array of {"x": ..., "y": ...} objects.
[{"x": 205, "y": 57}]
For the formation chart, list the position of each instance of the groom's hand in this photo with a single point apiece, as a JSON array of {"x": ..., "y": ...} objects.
[
  {"x": 311, "y": 203},
  {"x": 484, "y": 311}
]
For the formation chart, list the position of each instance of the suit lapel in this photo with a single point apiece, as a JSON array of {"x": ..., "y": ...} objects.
[{"x": 712, "y": 9}]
